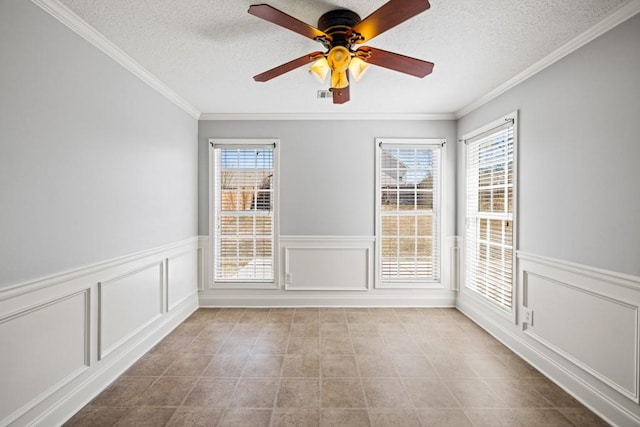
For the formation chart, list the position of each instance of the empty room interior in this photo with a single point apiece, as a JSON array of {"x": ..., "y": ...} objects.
[{"x": 321, "y": 213}]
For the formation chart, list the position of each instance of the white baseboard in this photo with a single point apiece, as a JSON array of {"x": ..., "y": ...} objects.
[
  {"x": 566, "y": 342},
  {"x": 128, "y": 305},
  {"x": 282, "y": 300}
]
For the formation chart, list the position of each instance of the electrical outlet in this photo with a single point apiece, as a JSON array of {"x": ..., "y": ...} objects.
[{"x": 528, "y": 317}]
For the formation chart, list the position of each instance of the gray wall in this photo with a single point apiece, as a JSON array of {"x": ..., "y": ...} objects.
[
  {"x": 327, "y": 170},
  {"x": 94, "y": 164},
  {"x": 579, "y": 153}
]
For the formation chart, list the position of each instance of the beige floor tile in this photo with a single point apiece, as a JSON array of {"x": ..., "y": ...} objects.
[
  {"x": 413, "y": 365},
  {"x": 583, "y": 417},
  {"x": 280, "y": 316},
  {"x": 474, "y": 393},
  {"x": 301, "y": 366},
  {"x": 188, "y": 365},
  {"x": 246, "y": 418},
  {"x": 385, "y": 393},
  {"x": 225, "y": 365},
  {"x": 517, "y": 418},
  {"x": 518, "y": 367},
  {"x": 488, "y": 366},
  {"x": 124, "y": 391},
  {"x": 333, "y": 330},
  {"x": 217, "y": 330},
  {"x": 195, "y": 417},
  {"x": 375, "y": 365},
  {"x": 172, "y": 345},
  {"x": 429, "y": 393},
  {"x": 432, "y": 345},
  {"x": 516, "y": 394},
  {"x": 299, "y": 393},
  {"x": 237, "y": 346},
  {"x": 167, "y": 391},
  {"x": 410, "y": 315},
  {"x": 305, "y": 330},
  {"x": 443, "y": 418},
  {"x": 332, "y": 315},
  {"x": 276, "y": 330},
  {"x": 230, "y": 314},
  {"x": 255, "y": 393},
  {"x": 344, "y": 418},
  {"x": 335, "y": 365},
  {"x": 394, "y": 418},
  {"x": 188, "y": 329},
  {"x": 204, "y": 344},
  {"x": 363, "y": 329},
  {"x": 146, "y": 417},
  {"x": 271, "y": 344},
  {"x": 303, "y": 345},
  {"x": 450, "y": 366},
  {"x": 342, "y": 393},
  {"x": 203, "y": 315},
  {"x": 306, "y": 315},
  {"x": 384, "y": 315},
  {"x": 211, "y": 393},
  {"x": 150, "y": 365},
  {"x": 391, "y": 329},
  {"x": 246, "y": 330},
  {"x": 368, "y": 345},
  {"x": 295, "y": 418},
  {"x": 262, "y": 365},
  {"x": 554, "y": 394},
  {"x": 401, "y": 345},
  {"x": 359, "y": 317},
  {"x": 99, "y": 416},
  {"x": 255, "y": 315},
  {"x": 341, "y": 345}
]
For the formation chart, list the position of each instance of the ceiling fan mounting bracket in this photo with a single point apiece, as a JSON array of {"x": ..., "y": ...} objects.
[{"x": 336, "y": 23}]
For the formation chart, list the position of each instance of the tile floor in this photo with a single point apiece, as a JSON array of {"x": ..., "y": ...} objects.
[{"x": 332, "y": 367}]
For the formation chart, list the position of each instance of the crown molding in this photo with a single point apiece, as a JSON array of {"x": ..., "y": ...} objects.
[
  {"x": 623, "y": 13},
  {"x": 328, "y": 116},
  {"x": 90, "y": 34}
]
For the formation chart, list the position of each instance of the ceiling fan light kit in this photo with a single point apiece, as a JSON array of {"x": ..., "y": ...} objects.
[{"x": 340, "y": 31}]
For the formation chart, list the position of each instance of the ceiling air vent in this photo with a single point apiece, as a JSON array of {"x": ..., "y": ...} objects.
[{"x": 325, "y": 94}]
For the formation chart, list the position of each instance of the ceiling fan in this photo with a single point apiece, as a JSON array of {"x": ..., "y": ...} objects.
[{"x": 340, "y": 31}]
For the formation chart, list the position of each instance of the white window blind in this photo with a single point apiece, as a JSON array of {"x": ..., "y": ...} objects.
[
  {"x": 409, "y": 212},
  {"x": 244, "y": 213},
  {"x": 489, "y": 215}
]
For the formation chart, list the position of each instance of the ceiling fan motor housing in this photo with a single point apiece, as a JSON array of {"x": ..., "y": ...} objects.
[{"x": 336, "y": 23}]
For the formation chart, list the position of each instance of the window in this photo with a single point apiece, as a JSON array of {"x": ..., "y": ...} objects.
[
  {"x": 244, "y": 205},
  {"x": 490, "y": 202},
  {"x": 408, "y": 211}
]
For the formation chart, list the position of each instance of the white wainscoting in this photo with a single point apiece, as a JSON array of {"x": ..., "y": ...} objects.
[
  {"x": 327, "y": 263},
  {"x": 580, "y": 326},
  {"x": 64, "y": 338},
  {"x": 324, "y": 271}
]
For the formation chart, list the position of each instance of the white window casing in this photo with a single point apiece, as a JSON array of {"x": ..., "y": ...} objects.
[
  {"x": 490, "y": 214},
  {"x": 243, "y": 213},
  {"x": 408, "y": 213}
]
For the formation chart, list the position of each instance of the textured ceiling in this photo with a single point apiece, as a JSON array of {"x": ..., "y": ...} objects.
[{"x": 208, "y": 50}]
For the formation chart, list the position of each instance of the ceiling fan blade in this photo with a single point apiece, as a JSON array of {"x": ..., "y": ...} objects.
[
  {"x": 278, "y": 17},
  {"x": 285, "y": 68},
  {"x": 392, "y": 13},
  {"x": 340, "y": 96},
  {"x": 395, "y": 61}
]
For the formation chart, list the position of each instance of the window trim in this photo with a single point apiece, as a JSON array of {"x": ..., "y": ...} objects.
[
  {"x": 378, "y": 282},
  {"x": 244, "y": 143},
  {"x": 469, "y": 293}
]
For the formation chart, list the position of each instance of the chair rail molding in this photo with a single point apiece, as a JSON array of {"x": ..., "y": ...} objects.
[{"x": 93, "y": 323}]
